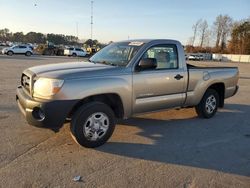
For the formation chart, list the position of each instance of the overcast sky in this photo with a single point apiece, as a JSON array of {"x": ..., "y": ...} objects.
[{"x": 117, "y": 19}]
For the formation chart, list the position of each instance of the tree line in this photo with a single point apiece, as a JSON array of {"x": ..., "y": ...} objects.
[
  {"x": 39, "y": 38},
  {"x": 223, "y": 36}
]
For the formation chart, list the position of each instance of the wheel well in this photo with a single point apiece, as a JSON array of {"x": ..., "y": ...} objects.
[
  {"x": 220, "y": 88},
  {"x": 112, "y": 100}
]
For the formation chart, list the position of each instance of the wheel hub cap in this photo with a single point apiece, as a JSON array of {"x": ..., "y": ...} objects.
[
  {"x": 96, "y": 126},
  {"x": 210, "y": 104}
]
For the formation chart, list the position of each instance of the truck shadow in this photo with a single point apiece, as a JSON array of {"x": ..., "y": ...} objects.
[{"x": 221, "y": 143}]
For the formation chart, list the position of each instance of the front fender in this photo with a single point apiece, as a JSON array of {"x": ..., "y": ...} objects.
[{"x": 78, "y": 89}]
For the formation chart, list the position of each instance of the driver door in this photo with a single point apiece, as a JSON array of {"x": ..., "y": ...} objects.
[{"x": 162, "y": 87}]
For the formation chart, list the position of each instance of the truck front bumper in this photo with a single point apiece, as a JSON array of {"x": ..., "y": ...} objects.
[
  {"x": 43, "y": 114},
  {"x": 236, "y": 90}
]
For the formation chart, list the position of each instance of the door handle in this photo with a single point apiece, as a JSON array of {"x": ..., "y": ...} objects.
[{"x": 178, "y": 77}]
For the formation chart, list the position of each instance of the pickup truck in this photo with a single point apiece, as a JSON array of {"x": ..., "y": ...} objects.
[{"x": 121, "y": 80}]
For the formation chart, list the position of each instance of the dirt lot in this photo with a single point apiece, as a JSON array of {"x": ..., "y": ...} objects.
[{"x": 169, "y": 149}]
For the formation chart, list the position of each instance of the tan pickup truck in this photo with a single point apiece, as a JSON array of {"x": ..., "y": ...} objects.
[{"x": 121, "y": 80}]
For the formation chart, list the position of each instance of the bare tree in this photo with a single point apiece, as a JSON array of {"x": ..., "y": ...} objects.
[
  {"x": 195, "y": 29},
  {"x": 222, "y": 27},
  {"x": 218, "y": 29},
  {"x": 207, "y": 38},
  {"x": 190, "y": 41},
  {"x": 227, "y": 26},
  {"x": 203, "y": 29}
]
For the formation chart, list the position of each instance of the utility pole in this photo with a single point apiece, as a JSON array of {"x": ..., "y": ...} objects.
[
  {"x": 77, "y": 30},
  {"x": 91, "y": 23}
]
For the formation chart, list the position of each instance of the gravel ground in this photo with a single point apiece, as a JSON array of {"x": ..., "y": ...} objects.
[{"x": 167, "y": 149}]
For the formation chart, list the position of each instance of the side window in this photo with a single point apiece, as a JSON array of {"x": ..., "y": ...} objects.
[
  {"x": 71, "y": 48},
  {"x": 165, "y": 55}
]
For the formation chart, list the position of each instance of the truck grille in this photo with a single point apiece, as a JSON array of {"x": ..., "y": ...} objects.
[{"x": 26, "y": 82}]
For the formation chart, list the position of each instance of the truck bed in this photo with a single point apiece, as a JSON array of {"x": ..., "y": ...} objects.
[{"x": 228, "y": 76}]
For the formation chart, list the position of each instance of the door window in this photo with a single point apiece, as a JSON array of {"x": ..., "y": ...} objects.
[
  {"x": 22, "y": 47},
  {"x": 166, "y": 56}
]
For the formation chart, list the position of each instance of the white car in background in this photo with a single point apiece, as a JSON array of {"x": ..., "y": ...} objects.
[
  {"x": 18, "y": 49},
  {"x": 196, "y": 57},
  {"x": 75, "y": 52},
  {"x": 193, "y": 57}
]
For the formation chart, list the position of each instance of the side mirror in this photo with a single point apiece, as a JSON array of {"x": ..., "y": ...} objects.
[{"x": 147, "y": 63}]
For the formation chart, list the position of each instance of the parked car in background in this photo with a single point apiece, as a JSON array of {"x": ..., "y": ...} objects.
[
  {"x": 3, "y": 44},
  {"x": 18, "y": 49},
  {"x": 75, "y": 52},
  {"x": 30, "y": 46},
  {"x": 200, "y": 57},
  {"x": 193, "y": 57}
]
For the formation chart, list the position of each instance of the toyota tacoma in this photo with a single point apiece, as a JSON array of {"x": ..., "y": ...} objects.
[{"x": 121, "y": 80}]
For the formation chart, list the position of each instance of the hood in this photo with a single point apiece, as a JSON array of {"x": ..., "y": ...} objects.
[{"x": 71, "y": 70}]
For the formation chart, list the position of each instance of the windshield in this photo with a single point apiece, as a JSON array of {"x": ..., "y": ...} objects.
[{"x": 117, "y": 54}]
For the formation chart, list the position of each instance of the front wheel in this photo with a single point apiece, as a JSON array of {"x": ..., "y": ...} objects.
[
  {"x": 10, "y": 53},
  {"x": 208, "y": 104},
  {"x": 93, "y": 124}
]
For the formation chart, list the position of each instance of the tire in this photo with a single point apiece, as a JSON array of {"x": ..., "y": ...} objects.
[
  {"x": 83, "y": 128},
  {"x": 10, "y": 53},
  {"x": 28, "y": 53},
  {"x": 208, "y": 105},
  {"x": 74, "y": 55}
]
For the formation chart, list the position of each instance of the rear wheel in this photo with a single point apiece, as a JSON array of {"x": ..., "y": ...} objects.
[
  {"x": 208, "y": 104},
  {"x": 10, "y": 53},
  {"x": 74, "y": 55},
  {"x": 28, "y": 54},
  {"x": 93, "y": 124}
]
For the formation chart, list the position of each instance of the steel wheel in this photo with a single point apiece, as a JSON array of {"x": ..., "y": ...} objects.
[
  {"x": 96, "y": 126},
  {"x": 210, "y": 104},
  {"x": 92, "y": 124}
]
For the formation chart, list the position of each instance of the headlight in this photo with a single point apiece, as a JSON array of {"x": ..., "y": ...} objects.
[{"x": 46, "y": 87}]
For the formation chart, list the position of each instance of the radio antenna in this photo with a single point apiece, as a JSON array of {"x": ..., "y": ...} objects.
[{"x": 91, "y": 23}]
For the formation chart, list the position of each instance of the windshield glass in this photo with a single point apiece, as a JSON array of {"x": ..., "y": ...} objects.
[{"x": 117, "y": 54}]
